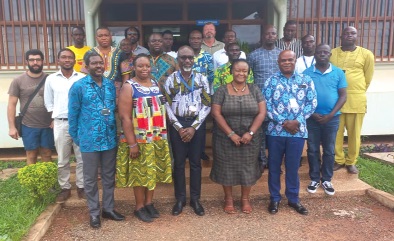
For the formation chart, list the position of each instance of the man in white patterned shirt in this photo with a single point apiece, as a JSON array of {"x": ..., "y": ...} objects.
[
  {"x": 188, "y": 104},
  {"x": 289, "y": 40},
  {"x": 56, "y": 90}
]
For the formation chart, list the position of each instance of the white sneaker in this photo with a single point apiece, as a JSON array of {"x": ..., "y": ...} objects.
[
  {"x": 313, "y": 187},
  {"x": 328, "y": 188}
]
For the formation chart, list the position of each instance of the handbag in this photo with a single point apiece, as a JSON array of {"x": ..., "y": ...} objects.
[{"x": 19, "y": 118}]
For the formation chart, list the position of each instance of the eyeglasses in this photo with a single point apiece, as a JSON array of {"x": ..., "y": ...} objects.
[
  {"x": 32, "y": 60},
  {"x": 132, "y": 33},
  {"x": 185, "y": 57}
]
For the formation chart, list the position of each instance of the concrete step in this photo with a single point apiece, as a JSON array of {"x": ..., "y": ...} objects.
[
  {"x": 164, "y": 193},
  {"x": 303, "y": 172}
]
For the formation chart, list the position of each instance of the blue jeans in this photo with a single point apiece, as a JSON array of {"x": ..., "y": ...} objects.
[
  {"x": 291, "y": 148},
  {"x": 324, "y": 134}
]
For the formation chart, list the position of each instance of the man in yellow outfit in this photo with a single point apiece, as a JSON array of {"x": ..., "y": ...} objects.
[{"x": 358, "y": 65}]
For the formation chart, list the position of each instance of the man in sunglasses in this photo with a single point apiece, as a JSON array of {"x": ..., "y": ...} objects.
[{"x": 188, "y": 104}]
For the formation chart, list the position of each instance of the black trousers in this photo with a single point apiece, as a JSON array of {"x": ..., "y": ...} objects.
[{"x": 191, "y": 150}]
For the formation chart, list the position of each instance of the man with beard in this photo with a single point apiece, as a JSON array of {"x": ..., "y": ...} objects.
[
  {"x": 289, "y": 40},
  {"x": 308, "y": 59},
  {"x": 264, "y": 63},
  {"x": 210, "y": 44},
  {"x": 162, "y": 64},
  {"x": 188, "y": 104},
  {"x": 133, "y": 34},
  {"x": 91, "y": 116},
  {"x": 222, "y": 74},
  {"x": 358, "y": 64},
  {"x": 56, "y": 90},
  {"x": 37, "y": 134},
  {"x": 220, "y": 57},
  {"x": 79, "y": 48}
]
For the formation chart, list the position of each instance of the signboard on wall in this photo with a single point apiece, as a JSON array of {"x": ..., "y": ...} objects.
[{"x": 203, "y": 22}]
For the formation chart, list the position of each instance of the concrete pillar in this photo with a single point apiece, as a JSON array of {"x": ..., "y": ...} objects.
[
  {"x": 91, "y": 20},
  {"x": 280, "y": 16}
]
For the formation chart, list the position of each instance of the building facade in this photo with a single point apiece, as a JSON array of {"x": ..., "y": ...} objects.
[{"x": 47, "y": 24}]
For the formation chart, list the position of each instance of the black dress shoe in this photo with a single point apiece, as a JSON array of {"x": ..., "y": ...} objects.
[
  {"x": 178, "y": 207},
  {"x": 95, "y": 221},
  {"x": 114, "y": 215},
  {"x": 273, "y": 207},
  {"x": 299, "y": 208},
  {"x": 197, "y": 207},
  {"x": 152, "y": 211},
  {"x": 143, "y": 215}
]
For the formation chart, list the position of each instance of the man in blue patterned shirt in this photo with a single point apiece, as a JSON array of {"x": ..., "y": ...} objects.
[
  {"x": 92, "y": 127},
  {"x": 203, "y": 64},
  {"x": 291, "y": 99},
  {"x": 203, "y": 61}
]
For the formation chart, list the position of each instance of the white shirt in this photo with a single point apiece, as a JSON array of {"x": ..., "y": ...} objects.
[
  {"x": 56, "y": 93},
  {"x": 172, "y": 54},
  {"x": 303, "y": 63},
  {"x": 220, "y": 57}
]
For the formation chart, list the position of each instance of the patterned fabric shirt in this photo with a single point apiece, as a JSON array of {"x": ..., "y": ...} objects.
[
  {"x": 112, "y": 63},
  {"x": 291, "y": 98},
  {"x": 89, "y": 128},
  {"x": 295, "y": 45},
  {"x": 149, "y": 113},
  {"x": 264, "y": 64},
  {"x": 203, "y": 64},
  {"x": 161, "y": 67},
  {"x": 223, "y": 76},
  {"x": 180, "y": 98}
]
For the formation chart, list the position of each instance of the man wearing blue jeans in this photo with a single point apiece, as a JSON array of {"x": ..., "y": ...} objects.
[
  {"x": 291, "y": 99},
  {"x": 330, "y": 84}
]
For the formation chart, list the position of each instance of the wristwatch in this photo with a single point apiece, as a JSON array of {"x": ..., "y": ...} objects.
[{"x": 251, "y": 133}]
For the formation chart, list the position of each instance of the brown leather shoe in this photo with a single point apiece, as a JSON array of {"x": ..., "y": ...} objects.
[
  {"x": 352, "y": 169},
  {"x": 63, "y": 196},
  {"x": 337, "y": 166},
  {"x": 81, "y": 193}
]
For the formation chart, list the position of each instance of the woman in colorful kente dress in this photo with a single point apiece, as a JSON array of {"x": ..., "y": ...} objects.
[{"x": 143, "y": 156}]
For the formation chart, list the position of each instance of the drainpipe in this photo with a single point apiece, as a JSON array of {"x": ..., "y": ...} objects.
[
  {"x": 281, "y": 9},
  {"x": 90, "y": 9}
]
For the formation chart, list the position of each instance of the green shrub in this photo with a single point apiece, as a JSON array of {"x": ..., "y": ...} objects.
[{"x": 38, "y": 178}]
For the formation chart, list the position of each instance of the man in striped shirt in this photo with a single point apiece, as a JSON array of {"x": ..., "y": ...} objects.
[{"x": 289, "y": 40}]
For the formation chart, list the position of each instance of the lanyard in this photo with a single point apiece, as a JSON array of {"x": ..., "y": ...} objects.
[
  {"x": 190, "y": 88},
  {"x": 101, "y": 97},
  {"x": 306, "y": 66}
]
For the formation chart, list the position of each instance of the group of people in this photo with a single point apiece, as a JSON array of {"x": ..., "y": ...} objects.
[{"x": 135, "y": 115}]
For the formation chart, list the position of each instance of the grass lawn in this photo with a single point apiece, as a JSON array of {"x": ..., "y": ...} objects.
[
  {"x": 377, "y": 174},
  {"x": 18, "y": 209}
]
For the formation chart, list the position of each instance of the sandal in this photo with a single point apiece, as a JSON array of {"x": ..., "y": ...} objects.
[
  {"x": 245, "y": 206},
  {"x": 229, "y": 206}
]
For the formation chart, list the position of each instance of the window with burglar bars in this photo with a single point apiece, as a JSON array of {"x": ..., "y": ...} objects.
[
  {"x": 325, "y": 19},
  {"x": 40, "y": 24}
]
